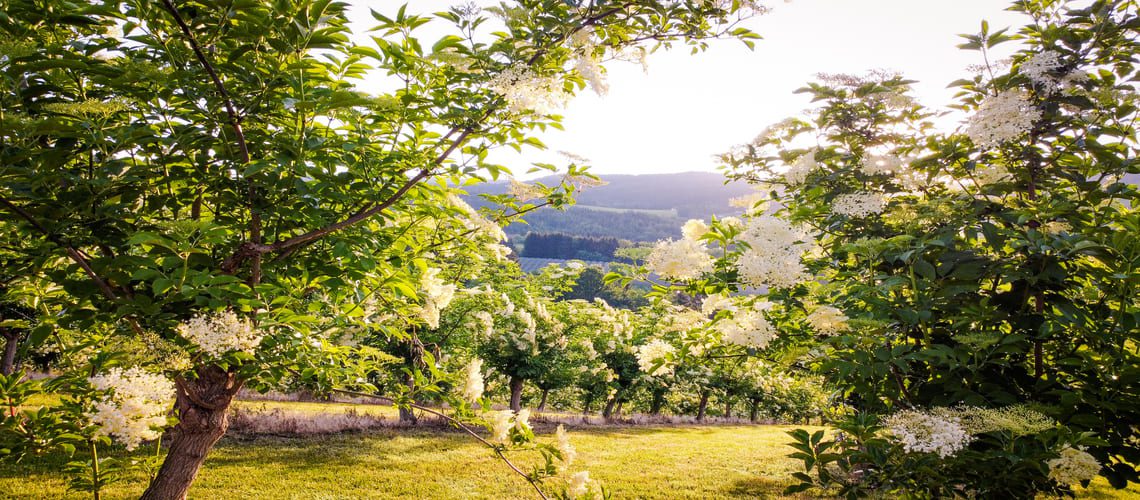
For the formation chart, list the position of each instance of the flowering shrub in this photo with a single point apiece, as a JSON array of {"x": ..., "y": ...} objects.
[{"x": 134, "y": 407}]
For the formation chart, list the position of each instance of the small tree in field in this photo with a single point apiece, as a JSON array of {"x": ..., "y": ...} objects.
[{"x": 197, "y": 175}]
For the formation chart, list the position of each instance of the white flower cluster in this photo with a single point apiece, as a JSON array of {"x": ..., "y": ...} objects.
[
  {"x": 827, "y": 320},
  {"x": 501, "y": 422},
  {"x": 587, "y": 63},
  {"x": 882, "y": 165},
  {"x": 927, "y": 432},
  {"x": 473, "y": 381},
  {"x": 1041, "y": 69},
  {"x": 653, "y": 353},
  {"x": 714, "y": 303},
  {"x": 134, "y": 410},
  {"x": 747, "y": 328},
  {"x": 524, "y": 192},
  {"x": 1002, "y": 118},
  {"x": 580, "y": 486},
  {"x": 221, "y": 332},
  {"x": 694, "y": 229},
  {"x": 773, "y": 257},
  {"x": 681, "y": 260},
  {"x": 565, "y": 449},
  {"x": 1074, "y": 465},
  {"x": 437, "y": 296},
  {"x": 526, "y": 90},
  {"x": 798, "y": 172},
  {"x": 753, "y": 203},
  {"x": 856, "y": 205}
]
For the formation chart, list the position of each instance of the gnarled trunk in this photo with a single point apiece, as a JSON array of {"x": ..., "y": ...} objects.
[
  {"x": 704, "y": 406},
  {"x": 407, "y": 415},
  {"x": 516, "y": 393},
  {"x": 203, "y": 407},
  {"x": 11, "y": 345},
  {"x": 542, "y": 403},
  {"x": 609, "y": 411},
  {"x": 658, "y": 402}
]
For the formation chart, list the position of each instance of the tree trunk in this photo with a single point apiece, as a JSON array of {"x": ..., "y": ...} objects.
[
  {"x": 609, "y": 411},
  {"x": 587, "y": 403},
  {"x": 407, "y": 415},
  {"x": 704, "y": 406},
  {"x": 755, "y": 412},
  {"x": 728, "y": 405},
  {"x": 542, "y": 404},
  {"x": 658, "y": 402},
  {"x": 11, "y": 344},
  {"x": 203, "y": 406},
  {"x": 620, "y": 405},
  {"x": 516, "y": 393}
]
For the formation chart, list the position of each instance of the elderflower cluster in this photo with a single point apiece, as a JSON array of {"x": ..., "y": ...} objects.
[
  {"x": 927, "y": 432},
  {"x": 657, "y": 351},
  {"x": 437, "y": 296},
  {"x": 587, "y": 63},
  {"x": 827, "y": 320},
  {"x": 773, "y": 255},
  {"x": 694, "y": 229},
  {"x": 220, "y": 333},
  {"x": 1041, "y": 69},
  {"x": 747, "y": 328},
  {"x": 1074, "y": 466},
  {"x": 857, "y": 205},
  {"x": 524, "y": 192},
  {"x": 581, "y": 486},
  {"x": 1018, "y": 420},
  {"x": 1002, "y": 118},
  {"x": 499, "y": 423},
  {"x": 682, "y": 259},
  {"x": 134, "y": 408},
  {"x": 882, "y": 165},
  {"x": 798, "y": 172},
  {"x": 526, "y": 90},
  {"x": 473, "y": 381},
  {"x": 565, "y": 449}
]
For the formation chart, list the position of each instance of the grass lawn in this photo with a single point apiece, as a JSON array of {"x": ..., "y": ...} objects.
[{"x": 633, "y": 462}]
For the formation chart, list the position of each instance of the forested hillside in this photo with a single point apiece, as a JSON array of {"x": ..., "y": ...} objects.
[{"x": 630, "y": 207}]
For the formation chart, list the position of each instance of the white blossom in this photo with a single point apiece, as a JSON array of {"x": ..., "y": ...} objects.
[
  {"x": 1002, "y": 118},
  {"x": 827, "y": 320},
  {"x": 653, "y": 353},
  {"x": 798, "y": 172},
  {"x": 694, "y": 229},
  {"x": 1074, "y": 465},
  {"x": 857, "y": 205},
  {"x": 927, "y": 432},
  {"x": 1042, "y": 68},
  {"x": 524, "y": 192},
  {"x": 473, "y": 381},
  {"x": 747, "y": 328},
  {"x": 882, "y": 165},
  {"x": 565, "y": 449},
  {"x": 134, "y": 410},
  {"x": 526, "y": 90},
  {"x": 683, "y": 259},
  {"x": 437, "y": 296},
  {"x": 773, "y": 256},
  {"x": 220, "y": 333},
  {"x": 499, "y": 422}
]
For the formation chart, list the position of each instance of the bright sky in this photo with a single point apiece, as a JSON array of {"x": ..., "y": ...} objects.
[{"x": 688, "y": 108}]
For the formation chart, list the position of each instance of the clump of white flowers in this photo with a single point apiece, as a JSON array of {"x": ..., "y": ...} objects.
[
  {"x": 798, "y": 172},
  {"x": 827, "y": 320},
  {"x": 499, "y": 422},
  {"x": 587, "y": 63},
  {"x": 858, "y": 204},
  {"x": 220, "y": 333},
  {"x": 437, "y": 296},
  {"x": 682, "y": 259},
  {"x": 526, "y": 90},
  {"x": 1002, "y": 118},
  {"x": 135, "y": 406},
  {"x": 927, "y": 432},
  {"x": 1074, "y": 466},
  {"x": 657, "y": 353},
  {"x": 747, "y": 328},
  {"x": 774, "y": 251},
  {"x": 882, "y": 165},
  {"x": 473, "y": 380},
  {"x": 694, "y": 229},
  {"x": 523, "y": 191},
  {"x": 565, "y": 449},
  {"x": 1042, "y": 68},
  {"x": 580, "y": 486}
]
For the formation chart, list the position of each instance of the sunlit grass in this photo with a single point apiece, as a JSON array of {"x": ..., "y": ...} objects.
[{"x": 684, "y": 462}]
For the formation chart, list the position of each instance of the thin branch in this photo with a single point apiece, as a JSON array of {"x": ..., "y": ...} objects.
[{"x": 457, "y": 423}]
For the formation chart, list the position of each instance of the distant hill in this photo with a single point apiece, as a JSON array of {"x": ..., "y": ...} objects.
[{"x": 631, "y": 207}]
